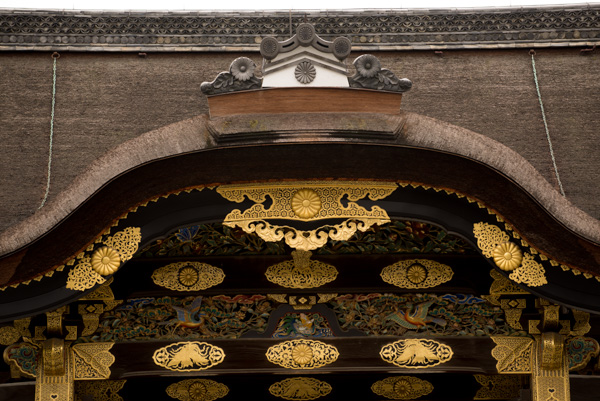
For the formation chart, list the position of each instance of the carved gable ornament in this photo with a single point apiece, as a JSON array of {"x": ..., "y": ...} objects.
[{"x": 305, "y": 61}]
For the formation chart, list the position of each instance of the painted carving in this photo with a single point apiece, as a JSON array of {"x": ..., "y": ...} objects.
[
  {"x": 188, "y": 276},
  {"x": 416, "y": 273},
  {"x": 416, "y": 353},
  {"x": 23, "y": 357},
  {"x": 302, "y": 325},
  {"x": 188, "y": 356},
  {"x": 402, "y": 388},
  {"x": 580, "y": 351},
  {"x": 302, "y": 354}
]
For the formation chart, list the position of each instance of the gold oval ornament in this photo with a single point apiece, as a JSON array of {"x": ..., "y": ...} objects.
[
  {"x": 300, "y": 389},
  {"x": 416, "y": 353},
  {"x": 301, "y": 272},
  {"x": 197, "y": 390},
  {"x": 402, "y": 388},
  {"x": 188, "y": 276},
  {"x": 507, "y": 256},
  {"x": 105, "y": 261},
  {"x": 188, "y": 356},
  {"x": 417, "y": 273},
  {"x": 302, "y": 354}
]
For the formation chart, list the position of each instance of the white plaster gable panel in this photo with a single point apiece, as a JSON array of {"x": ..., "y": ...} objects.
[{"x": 305, "y": 66}]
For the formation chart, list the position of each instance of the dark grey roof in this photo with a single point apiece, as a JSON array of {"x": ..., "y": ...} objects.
[{"x": 576, "y": 25}]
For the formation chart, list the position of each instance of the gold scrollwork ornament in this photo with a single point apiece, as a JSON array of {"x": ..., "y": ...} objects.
[
  {"x": 308, "y": 200},
  {"x": 92, "y": 361},
  {"x": 9, "y": 335},
  {"x": 300, "y": 389},
  {"x": 190, "y": 356},
  {"x": 402, "y": 388},
  {"x": 188, "y": 276},
  {"x": 301, "y": 272},
  {"x": 302, "y": 354},
  {"x": 416, "y": 353},
  {"x": 416, "y": 273},
  {"x": 197, "y": 390}
]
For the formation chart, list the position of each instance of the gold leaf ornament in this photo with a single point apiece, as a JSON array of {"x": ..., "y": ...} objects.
[
  {"x": 9, "y": 335},
  {"x": 416, "y": 353},
  {"x": 507, "y": 256},
  {"x": 402, "y": 388},
  {"x": 197, "y": 390},
  {"x": 489, "y": 237},
  {"x": 188, "y": 356},
  {"x": 105, "y": 261},
  {"x": 417, "y": 273},
  {"x": 188, "y": 276},
  {"x": 306, "y": 203},
  {"x": 300, "y": 389},
  {"x": 301, "y": 272},
  {"x": 302, "y": 354}
]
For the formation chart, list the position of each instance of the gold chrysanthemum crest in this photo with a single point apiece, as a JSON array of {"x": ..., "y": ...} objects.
[
  {"x": 188, "y": 276},
  {"x": 402, "y": 388},
  {"x": 416, "y": 353},
  {"x": 302, "y": 354},
  {"x": 300, "y": 389},
  {"x": 507, "y": 256},
  {"x": 306, "y": 203},
  {"x": 197, "y": 390},
  {"x": 417, "y": 273},
  {"x": 105, "y": 261},
  {"x": 188, "y": 356}
]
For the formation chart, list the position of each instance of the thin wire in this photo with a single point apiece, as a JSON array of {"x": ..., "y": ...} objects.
[
  {"x": 51, "y": 132},
  {"x": 537, "y": 87}
]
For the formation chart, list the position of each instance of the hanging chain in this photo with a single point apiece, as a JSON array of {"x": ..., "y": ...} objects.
[
  {"x": 55, "y": 57},
  {"x": 537, "y": 87}
]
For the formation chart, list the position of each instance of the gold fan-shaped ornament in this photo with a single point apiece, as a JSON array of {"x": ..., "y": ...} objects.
[
  {"x": 306, "y": 203},
  {"x": 105, "y": 261},
  {"x": 507, "y": 256}
]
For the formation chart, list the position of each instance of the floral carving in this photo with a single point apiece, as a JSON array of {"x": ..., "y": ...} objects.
[
  {"x": 305, "y": 72},
  {"x": 370, "y": 75},
  {"x": 242, "y": 68},
  {"x": 367, "y": 65},
  {"x": 302, "y": 354}
]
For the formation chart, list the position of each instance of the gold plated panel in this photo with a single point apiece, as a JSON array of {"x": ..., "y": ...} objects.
[
  {"x": 416, "y": 353},
  {"x": 402, "y": 388},
  {"x": 300, "y": 389},
  {"x": 302, "y": 354},
  {"x": 513, "y": 354},
  {"x": 417, "y": 273},
  {"x": 188, "y": 356},
  {"x": 92, "y": 361},
  {"x": 306, "y": 201},
  {"x": 188, "y": 276},
  {"x": 197, "y": 390},
  {"x": 55, "y": 387},
  {"x": 498, "y": 387},
  {"x": 301, "y": 272},
  {"x": 549, "y": 384}
]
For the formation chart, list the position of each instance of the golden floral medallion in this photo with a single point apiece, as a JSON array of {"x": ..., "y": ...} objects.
[
  {"x": 417, "y": 273},
  {"x": 507, "y": 256},
  {"x": 188, "y": 276},
  {"x": 105, "y": 261},
  {"x": 197, "y": 390},
  {"x": 302, "y": 354},
  {"x": 306, "y": 203}
]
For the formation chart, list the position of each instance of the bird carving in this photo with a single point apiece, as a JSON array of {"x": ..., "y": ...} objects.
[
  {"x": 190, "y": 316},
  {"x": 415, "y": 319}
]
